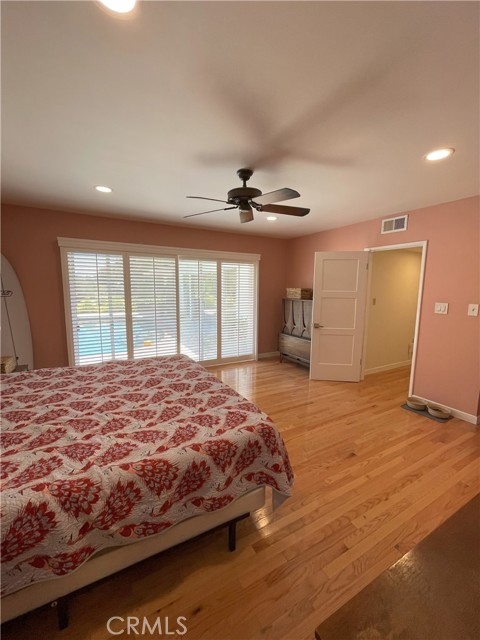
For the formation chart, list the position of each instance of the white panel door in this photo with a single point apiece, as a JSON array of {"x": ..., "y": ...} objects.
[{"x": 339, "y": 301}]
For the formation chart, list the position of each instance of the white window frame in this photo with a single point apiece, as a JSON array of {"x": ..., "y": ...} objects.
[{"x": 126, "y": 249}]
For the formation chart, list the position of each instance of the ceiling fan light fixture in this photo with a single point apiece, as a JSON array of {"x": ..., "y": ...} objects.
[
  {"x": 246, "y": 216},
  {"x": 439, "y": 154},
  {"x": 244, "y": 205}
]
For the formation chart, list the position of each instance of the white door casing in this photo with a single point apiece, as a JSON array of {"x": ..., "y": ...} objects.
[{"x": 339, "y": 305}]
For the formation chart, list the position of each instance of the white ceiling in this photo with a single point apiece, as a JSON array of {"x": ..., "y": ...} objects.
[{"x": 339, "y": 100}]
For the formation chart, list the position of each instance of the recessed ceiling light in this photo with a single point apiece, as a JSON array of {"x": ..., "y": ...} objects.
[
  {"x": 119, "y": 6},
  {"x": 272, "y": 218},
  {"x": 103, "y": 189},
  {"x": 439, "y": 154}
]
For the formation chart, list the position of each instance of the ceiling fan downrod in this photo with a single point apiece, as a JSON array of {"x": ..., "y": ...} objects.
[{"x": 245, "y": 175}]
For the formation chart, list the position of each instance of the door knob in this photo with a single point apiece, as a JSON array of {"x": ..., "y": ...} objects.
[{"x": 316, "y": 325}]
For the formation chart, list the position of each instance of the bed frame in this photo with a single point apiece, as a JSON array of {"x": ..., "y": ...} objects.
[{"x": 109, "y": 561}]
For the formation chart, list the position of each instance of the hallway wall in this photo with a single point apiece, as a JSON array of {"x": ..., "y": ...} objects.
[{"x": 392, "y": 309}]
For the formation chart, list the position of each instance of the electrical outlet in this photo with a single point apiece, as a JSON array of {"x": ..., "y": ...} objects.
[
  {"x": 441, "y": 307},
  {"x": 473, "y": 309}
]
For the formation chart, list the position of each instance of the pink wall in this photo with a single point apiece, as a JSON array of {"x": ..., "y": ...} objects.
[
  {"x": 447, "y": 369},
  {"x": 29, "y": 242}
]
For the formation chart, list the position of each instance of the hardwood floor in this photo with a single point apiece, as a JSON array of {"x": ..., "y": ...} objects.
[{"x": 372, "y": 480}]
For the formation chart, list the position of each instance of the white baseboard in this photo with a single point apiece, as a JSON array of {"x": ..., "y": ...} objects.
[
  {"x": 271, "y": 354},
  {"x": 456, "y": 413},
  {"x": 387, "y": 367}
]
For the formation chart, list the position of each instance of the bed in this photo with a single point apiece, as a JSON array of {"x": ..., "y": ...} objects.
[{"x": 107, "y": 464}]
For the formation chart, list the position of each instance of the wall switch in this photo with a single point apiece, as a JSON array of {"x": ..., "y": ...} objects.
[
  {"x": 473, "y": 309},
  {"x": 441, "y": 307}
]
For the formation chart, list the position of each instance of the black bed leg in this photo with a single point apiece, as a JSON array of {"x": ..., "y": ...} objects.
[
  {"x": 232, "y": 531},
  {"x": 232, "y": 535},
  {"x": 62, "y": 612}
]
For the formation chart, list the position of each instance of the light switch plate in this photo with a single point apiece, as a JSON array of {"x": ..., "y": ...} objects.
[
  {"x": 441, "y": 307},
  {"x": 473, "y": 309}
]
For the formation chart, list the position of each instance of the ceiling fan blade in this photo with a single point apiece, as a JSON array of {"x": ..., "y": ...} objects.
[
  {"x": 202, "y": 198},
  {"x": 277, "y": 196},
  {"x": 289, "y": 211},
  {"x": 211, "y": 211}
]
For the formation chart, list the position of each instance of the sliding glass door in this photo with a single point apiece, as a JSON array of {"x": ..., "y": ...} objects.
[{"x": 131, "y": 305}]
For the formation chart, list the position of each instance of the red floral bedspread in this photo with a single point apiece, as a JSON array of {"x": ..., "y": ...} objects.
[{"x": 102, "y": 455}]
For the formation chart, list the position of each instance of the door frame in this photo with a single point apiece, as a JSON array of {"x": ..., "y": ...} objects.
[{"x": 392, "y": 247}]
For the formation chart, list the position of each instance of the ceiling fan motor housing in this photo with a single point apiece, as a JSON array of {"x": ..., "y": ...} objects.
[{"x": 243, "y": 193}]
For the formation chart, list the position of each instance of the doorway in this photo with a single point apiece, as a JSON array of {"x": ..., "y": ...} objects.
[{"x": 393, "y": 308}]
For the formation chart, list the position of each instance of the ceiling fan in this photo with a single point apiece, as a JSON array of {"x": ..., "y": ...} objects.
[{"x": 247, "y": 198}]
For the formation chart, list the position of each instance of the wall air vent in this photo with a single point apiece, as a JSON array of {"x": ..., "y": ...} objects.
[{"x": 392, "y": 225}]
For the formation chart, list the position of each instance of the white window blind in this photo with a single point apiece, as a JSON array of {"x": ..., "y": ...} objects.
[
  {"x": 154, "y": 305},
  {"x": 136, "y": 304},
  {"x": 97, "y": 307},
  {"x": 198, "y": 308},
  {"x": 238, "y": 309}
]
